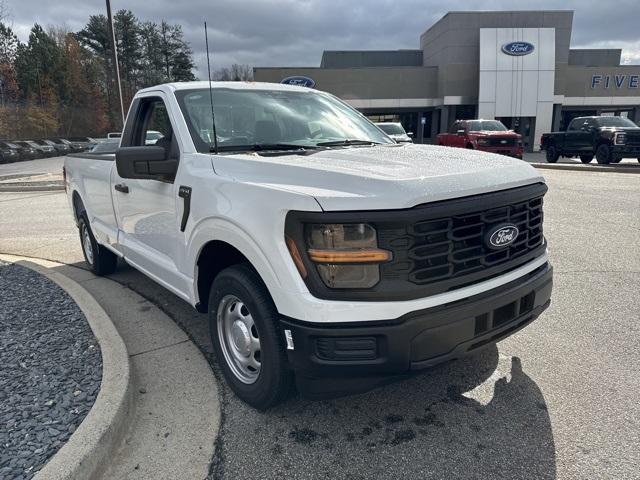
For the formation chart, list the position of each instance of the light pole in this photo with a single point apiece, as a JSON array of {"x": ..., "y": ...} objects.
[{"x": 115, "y": 58}]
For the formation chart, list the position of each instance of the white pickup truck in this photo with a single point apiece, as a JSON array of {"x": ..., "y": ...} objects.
[{"x": 325, "y": 254}]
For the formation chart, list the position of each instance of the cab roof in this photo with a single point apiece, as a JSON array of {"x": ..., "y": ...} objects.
[{"x": 229, "y": 85}]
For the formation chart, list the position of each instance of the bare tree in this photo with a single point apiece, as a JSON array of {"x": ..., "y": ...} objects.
[{"x": 234, "y": 73}]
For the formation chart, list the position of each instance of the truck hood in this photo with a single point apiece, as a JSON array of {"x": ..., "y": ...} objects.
[
  {"x": 382, "y": 177},
  {"x": 494, "y": 133}
]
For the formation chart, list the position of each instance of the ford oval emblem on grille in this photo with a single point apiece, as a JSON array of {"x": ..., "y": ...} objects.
[
  {"x": 518, "y": 48},
  {"x": 502, "y": 236}
]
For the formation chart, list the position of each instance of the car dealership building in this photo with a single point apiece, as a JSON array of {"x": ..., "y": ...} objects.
[{"x": 515, "y": 66}]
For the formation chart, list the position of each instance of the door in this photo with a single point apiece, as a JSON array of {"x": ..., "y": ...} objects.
[
  {"x": 454, "y": 139},
  {"x": 577, "y": 138},
  {"x": 146, "y": 208}
]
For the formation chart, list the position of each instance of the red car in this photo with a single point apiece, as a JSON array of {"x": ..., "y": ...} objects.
[{"x": 486, "y": 135}]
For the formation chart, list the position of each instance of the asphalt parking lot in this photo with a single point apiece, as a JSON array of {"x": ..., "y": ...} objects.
[{"x": 557, "y": 400}]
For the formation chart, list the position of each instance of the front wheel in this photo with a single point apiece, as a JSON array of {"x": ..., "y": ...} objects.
[
  {"x": 100, "y": 260},
  {"x": 603, "y": 154},
  {"x": 249, "y": 346},
  {"x": 586, "y": 158},
  {"x": 552, "y": 154}
]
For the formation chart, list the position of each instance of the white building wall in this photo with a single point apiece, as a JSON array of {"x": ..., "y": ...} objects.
[{"x": 518, "y": 86}]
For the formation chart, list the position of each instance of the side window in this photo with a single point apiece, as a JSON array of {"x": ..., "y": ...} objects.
[
  {"x": 455, "y": 127},
  {"x": 152, "y": 126},
  {"x": 575, "y": 124},
  {"x": 589, "y": 123}
]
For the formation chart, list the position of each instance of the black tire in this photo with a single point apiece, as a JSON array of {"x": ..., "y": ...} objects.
[
  {"x": 273, "y": 380},
  {"x": 100, "y": 260},
  {"x": 616, "y": 159},
  {"x": 469, "y": 146},
  {"x": 638, "y": 159},
  {"x": 552, "y": 154},
  {"x": 586, "y": 158},
  {"x": 603, "y": 154}
]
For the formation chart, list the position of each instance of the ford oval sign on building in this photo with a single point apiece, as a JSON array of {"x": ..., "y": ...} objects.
[
  {"x": 518, "y": 49},
  {"x": 300, "y": 81}
]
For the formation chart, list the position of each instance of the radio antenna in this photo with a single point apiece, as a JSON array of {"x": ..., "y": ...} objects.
[{"x": 213, "y": 116}]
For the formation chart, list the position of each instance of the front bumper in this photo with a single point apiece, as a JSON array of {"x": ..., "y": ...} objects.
[
  {"x": 626, "y": 151},
  {"x": 515, "y": 152},
  {"x": 343, "y": 358}
]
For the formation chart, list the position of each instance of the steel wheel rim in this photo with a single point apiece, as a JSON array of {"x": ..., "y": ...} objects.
[
  {"x": 86, "y": 244},
  {"x": 239, "y": 339}
]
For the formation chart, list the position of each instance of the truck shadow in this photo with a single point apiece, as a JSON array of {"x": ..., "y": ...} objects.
[{"x": 480, "y": 417}]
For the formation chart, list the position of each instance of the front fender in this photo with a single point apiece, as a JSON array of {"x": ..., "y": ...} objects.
[{"x": 269, "y": 256}]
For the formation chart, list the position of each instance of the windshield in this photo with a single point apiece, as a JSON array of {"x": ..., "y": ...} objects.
[
  {"x": 272, "y": 117},
  {"x": 392, "y": 128},
  {"x": 486, "y": 125},
  {"x": 615, "y": 122}
]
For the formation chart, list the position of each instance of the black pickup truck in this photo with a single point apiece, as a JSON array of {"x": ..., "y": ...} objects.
[{"x": 609, "y": 139}]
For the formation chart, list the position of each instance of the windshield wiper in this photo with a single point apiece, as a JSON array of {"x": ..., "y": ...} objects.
[
  {"x": 347, "y": 142},
  {"x": 261, "y": 147}
]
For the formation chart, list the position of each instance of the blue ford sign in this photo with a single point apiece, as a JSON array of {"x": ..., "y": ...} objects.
[
  {"x": 518, "y": 48},
  {"x": 300, "y": 81}
]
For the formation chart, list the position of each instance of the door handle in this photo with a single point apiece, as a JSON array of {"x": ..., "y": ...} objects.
[
  {"x": 185, "y": 194},
  {"x": 121, "y": 187}
]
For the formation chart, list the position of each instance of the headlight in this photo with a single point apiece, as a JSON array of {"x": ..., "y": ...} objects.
[
  {"x": 483, "y": 141},
  {"x": 346, "y": 255},
  {"x": 620, "y": 138}
]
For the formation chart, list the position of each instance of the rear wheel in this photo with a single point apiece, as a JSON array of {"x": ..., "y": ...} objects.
[
  {"x": 586, "y": 158},
  {"x": 552, "y": 154},
  {"x": 100, "y": 260},
  {"x": 603, "y": 154},
  {"x": 249, "y": 346}
]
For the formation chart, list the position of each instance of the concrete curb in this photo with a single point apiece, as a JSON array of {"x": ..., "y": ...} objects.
[
  {"x": 9, "y": 188},
  {"x": 588, "y": 168},
  {"x": 88, "y": 451}
]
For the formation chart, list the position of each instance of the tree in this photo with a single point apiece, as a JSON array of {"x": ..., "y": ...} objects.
[
  {"x": 235, "y": 73},
  {"x": 8, "y": 82},
  {"x": 39, "y": 75},
  {"x": 84, "y": 106},
  {"x": 60, "y": 82}
]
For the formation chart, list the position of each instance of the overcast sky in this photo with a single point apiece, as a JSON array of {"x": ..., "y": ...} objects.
[{"x": 295, "y": 32}]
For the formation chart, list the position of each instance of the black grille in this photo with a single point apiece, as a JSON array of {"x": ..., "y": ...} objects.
[
  {"x": 633, "y": 138},
  {"x": 502, "y": 141},
  {"x": 455, "y": 246}
]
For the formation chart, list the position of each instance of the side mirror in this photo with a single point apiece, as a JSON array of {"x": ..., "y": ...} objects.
[
  {"x": 147, "y": 163},
  {"x": 460, "y": 132},
  {"x": 409, "y": 134}
]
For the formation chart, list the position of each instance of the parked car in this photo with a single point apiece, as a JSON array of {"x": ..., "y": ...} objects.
[
  {"x": 42, "y": 150},
  {"x": 86, "y": 143},
  {"x": 322, "y": 251},
  {"x": 74, "y": 147},
  {"x": 396, "y": 131},
  {"x": 26, "y": 152},
  {"x": 9, "y": 152},
  {"x": 486, "y": 135},
  {"x": 108, "y": 146},
  {"x": 609, "y": 139},
  {"x": 61, "y": 148}
]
